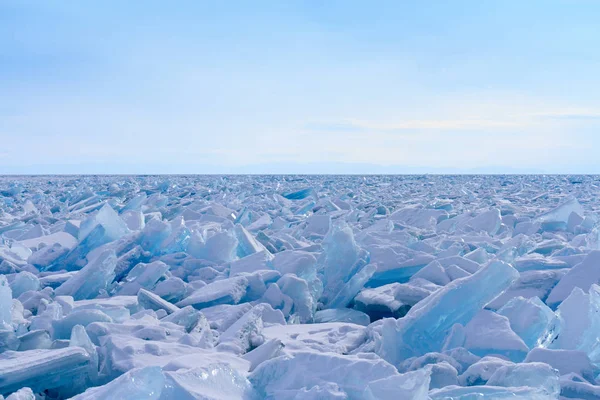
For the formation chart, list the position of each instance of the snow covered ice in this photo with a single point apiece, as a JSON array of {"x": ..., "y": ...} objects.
[{"x": 300, "y": 287}]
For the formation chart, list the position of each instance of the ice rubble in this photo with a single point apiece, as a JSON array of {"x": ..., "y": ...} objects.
[{"x": 297, "y": 287}]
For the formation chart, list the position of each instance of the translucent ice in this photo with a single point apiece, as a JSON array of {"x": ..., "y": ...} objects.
[
  {"x": 352, "y": 375},
  {"x": 94, "y": 277},
  {"x": 143, "y": 383},
  {"x": 560, "y": 214},
  {"x": 143, "y": 276},
  {"x": 214, "y": 382},
  {"x": 579, "y": 317},
  {"x": 151, "y": 301},
  {"x": 565, "y": 361},
  {"x": 531, "y": 319},
  {"x": 42, "y": 369},
  {"x": 5, "y": 303},
  {"x": 114, "y": 227},
  {"x": 185, "y": 286},
  {"x": 425, "y": 326},
  {"x": 582, "y": 275},
  {"x": 226, "y": 291},
  {"x": 537, "y": 375},
  {"x": 23, "y": 282},
  {"x": 489, "y": 333},
  {"x": 341, "y": 261},
  {"x": 342, "y": 315},
  {"x": 412, "y": 385}
]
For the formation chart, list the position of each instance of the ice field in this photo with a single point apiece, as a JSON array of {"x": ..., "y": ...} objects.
[{"x": 300, "y": 287}]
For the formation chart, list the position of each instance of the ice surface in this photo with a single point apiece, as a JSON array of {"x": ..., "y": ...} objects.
[
  {"x": 532, "y": 320},
  {"x": 489, "y": 333},
  {"x": 351, "y": 374},
  {"x": 5, "y": 303},
  {"x": 303, "y": 287},
  {"x": 42, "y": 369},
  {"x": 226, "y": 291},
  {"x": 92, "y": 279},
  {"x": 342, "y": 315},
  {"x": 142, "y": 276},
  {"x": 490, "y": 392},
  {"x": 582, "y": 275},
  {"x": 533, "y": 374},
  {"x": 144, "y": 383},
  {"x": 565, "y": 361},
  {"x": 425, "y": 326}
]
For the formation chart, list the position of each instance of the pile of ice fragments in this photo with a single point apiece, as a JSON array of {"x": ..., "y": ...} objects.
[{"x": 291, "y": 287}]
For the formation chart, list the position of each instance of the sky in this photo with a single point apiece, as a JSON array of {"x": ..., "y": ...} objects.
[{"x": 329, "y": 86}]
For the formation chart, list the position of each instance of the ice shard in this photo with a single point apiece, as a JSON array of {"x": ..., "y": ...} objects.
[
  {"x": 426, "y": 325},
  {"x": 92, "y": 279}
]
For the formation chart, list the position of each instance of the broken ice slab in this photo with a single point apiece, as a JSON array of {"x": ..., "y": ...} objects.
[
  {"x": 391, "y": 300},
  {"x": 225, "y": 291},
  {"x": 136, "y": 202},
  {"x": 187, "y": 317},
  {"x": 487, "y": 221},
  {"x": 37, "y": 339},
  {"x": 489, "y": 333},
  {"x": 582, "y": 275},
  {"x": 479, "y": 372},
  {"x": 411, "y": 385},
  {"x": 154, "y": 233},
  {"x": 5, "y": 304},
  {"x": 62, "y": 239},
  {"x": 399, "y": 272},
  {"x": 245, "y": 333},
  {"x": 426, "y": 325},
  {"x": 247, "y": 244},
  {"x": 579, "y": 316},
  {"x": 114, "y": 226},
  {"x": 535, "y": 261},
  {"x": 532, "y": 320},
  {"x": 530, "y": 284},
  {"x": 42, "y": 369},
  {"x": 566, "y": 362},
  {"x": 299, "y": 194},
  {"x": 418, "y": 217},
  {"x": 216, "y": 381},
  {"x": 351, "y": 288},
  {"x": 342, "y": 261},
  {"x": 142, "y": 276},
  {"x": 134, "y": 220},
  {"x": 142, "y": 383},
  {"x": 489, "y": 392},
  {"x": 558, "y": 218},
  {"x": 269, "y": 349},
  {"x": 220, "y": 247},
  {"x": 351, "y": 374},
  {"x": 252, "y": 263},
  {"x": 91, "y": 279},
  {"x": 331, "y": 337},
  {"x": 24, "y": 281},
  {"x": 61, "y": 328},
  {"x": 573, "y": 386},
  {"x": 46, "y": 256},
  {"x": 149, "y": 300},
  {"x": 342, "y": 315},
  {"x": 536, "y": 375},
  {"x": 298, "y": 292}
]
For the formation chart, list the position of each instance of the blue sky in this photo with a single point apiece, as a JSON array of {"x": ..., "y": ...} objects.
[{"x": 299, "y": 86}]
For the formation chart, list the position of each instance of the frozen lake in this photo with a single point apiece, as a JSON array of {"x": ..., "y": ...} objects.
[{"x": 300, "y": 287}]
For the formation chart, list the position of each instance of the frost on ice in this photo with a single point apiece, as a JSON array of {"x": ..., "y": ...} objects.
[{"x": 296, "y": 287}]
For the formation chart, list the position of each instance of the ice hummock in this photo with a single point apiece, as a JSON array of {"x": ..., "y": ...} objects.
[{"x": 299, "y": 287}]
